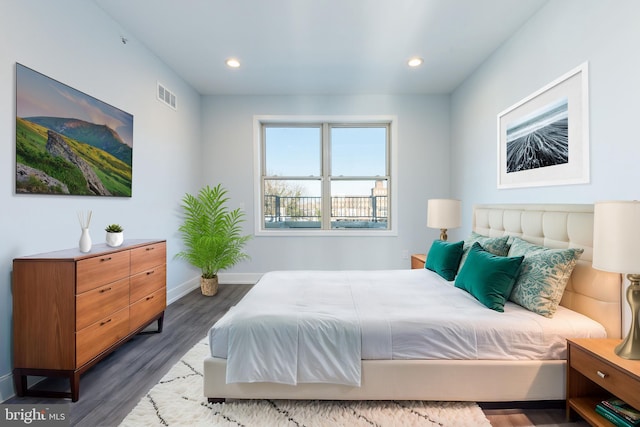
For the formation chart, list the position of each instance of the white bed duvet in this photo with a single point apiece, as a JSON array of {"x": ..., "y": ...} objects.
[{"x": 315, "y": 326}]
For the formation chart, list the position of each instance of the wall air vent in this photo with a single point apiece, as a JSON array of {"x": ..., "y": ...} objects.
[{"x": 167, "y": 97}]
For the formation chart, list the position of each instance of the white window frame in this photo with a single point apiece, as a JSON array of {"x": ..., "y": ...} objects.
[{"x": 390, "y": 120}]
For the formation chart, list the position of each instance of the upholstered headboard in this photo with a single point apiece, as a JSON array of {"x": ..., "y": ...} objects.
[{"x": 592, "y": 292}]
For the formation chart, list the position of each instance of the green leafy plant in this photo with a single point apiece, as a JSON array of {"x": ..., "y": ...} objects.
[
  {"x": 114, "y": 228},
  {"x": 211, "y": 232}
]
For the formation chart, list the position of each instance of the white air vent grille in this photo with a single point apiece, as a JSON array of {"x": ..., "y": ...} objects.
[{"x": 166, "y": 96}]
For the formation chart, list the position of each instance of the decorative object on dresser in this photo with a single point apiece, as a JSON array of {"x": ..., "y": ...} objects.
[
  {"x": 594, "y": 374},
  {"x": 115, "y": 235},
  {"x": 70, "y": 309},
  {"x": 85, "y": 238},
  {"x": 212, "y": 235},
  {"x": 616, "y": 249},
  {"x": 443, "y": 214}
]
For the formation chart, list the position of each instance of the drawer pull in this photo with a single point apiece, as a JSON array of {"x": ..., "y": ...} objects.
[
  {"x": 104, "y": 290},
  {"x": 150, "y": 272},
  {"x": 150, "y": 298},
  {"x": 601, "y": 374},
  {"x": 105, "y": 259},
  {"x": 105, "y": 322},
  {"x": 150, "y": 249}
]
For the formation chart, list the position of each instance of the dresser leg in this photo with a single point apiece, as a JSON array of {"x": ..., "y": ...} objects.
[
  {"x": 19, "y": 382},
  {"x": 74, "y": 382},
  {"x": 160, "y": 322}
]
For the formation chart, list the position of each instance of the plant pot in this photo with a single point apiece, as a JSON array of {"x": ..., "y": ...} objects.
[
  {"x": 115, "y": 239},
  {"x": 209, "y": 287}
]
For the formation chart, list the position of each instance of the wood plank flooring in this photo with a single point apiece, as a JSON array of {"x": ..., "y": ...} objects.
[{"x": 109, "y": 390}]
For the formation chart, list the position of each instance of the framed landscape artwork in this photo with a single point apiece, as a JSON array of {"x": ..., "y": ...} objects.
[
  {"x": 544, "y": 139},
  {"x": 69, "y": 143}
]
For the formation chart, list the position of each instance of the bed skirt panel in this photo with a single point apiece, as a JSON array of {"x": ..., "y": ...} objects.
[{"x": 444, "y": 380}]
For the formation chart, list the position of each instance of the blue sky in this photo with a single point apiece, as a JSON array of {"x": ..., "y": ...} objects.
[
  {"x": 39, "y": 95},
  {"x": 296, "y": 151}
]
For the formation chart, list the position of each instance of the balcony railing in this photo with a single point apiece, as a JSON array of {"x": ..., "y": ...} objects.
[{"x": 349, "y": 209}]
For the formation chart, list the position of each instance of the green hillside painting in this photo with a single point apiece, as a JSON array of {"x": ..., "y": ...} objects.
[{"x": 69, "y": 143}]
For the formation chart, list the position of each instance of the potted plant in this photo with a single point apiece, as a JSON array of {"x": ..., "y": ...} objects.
[
  {"x": 211, "y": 233},
  {"x": 115, "y": 235}
]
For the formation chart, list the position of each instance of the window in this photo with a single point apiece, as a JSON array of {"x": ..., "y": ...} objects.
[{"x": 324, "y": 175}]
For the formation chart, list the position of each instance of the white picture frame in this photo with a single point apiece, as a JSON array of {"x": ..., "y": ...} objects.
[{"x": 543, "y": 140}]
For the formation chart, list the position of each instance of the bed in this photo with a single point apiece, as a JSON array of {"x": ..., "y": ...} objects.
[{"x": 589, "y": 293}]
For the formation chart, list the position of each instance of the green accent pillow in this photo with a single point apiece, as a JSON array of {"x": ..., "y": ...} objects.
[
  {"x": 495, "y": 245},
  {"x": 543, "y": 276},
  {"x": 443, "y": 258},
  {"x": 488, "y": 277}
]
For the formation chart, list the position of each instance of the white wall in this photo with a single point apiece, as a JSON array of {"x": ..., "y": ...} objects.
[
  {"x": 423, "y": 172},
  {"x": 74, "y": 42},
  {"x": 564, "y": 34}
]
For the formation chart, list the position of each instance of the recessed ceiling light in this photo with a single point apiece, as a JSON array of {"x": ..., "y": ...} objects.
[
  {"x": 415, "y": 62},
  {"x": 232, "y": 63}
]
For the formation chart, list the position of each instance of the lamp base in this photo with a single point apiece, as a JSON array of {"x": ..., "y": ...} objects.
[
  {"x": 443, "y": 234},
  {"x": 630, "y": 347}
]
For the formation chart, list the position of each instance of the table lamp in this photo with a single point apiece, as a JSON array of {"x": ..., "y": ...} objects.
[
  {"x": 443, "y": 214},
  {"x": 616, "y": 233}
]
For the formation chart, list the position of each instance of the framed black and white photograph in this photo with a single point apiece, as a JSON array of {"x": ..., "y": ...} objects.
[{"x": 544, "y": 138}]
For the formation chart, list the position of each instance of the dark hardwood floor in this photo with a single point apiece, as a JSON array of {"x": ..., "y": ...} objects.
[{"x": 110, "y": 390}]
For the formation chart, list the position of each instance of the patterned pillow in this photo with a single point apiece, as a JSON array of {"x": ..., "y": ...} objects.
[
  {"x": 543, "y": 276},
  {"x": 495, "y": 245}
]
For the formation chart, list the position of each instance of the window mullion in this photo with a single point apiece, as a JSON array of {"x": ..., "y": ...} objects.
[{"x": 326, "y": 177}]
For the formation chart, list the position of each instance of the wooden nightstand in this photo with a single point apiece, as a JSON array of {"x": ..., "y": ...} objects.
[
  {"x": 418, "y": 260},
  {"x": 594, "y": 373}
]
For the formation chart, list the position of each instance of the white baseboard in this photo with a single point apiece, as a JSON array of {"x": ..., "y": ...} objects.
[
  {"x": 184, "y": 288},
  {"x": 6, "y": 387},
  {"x": 239, "y": 278},
  {"x": 174, "y": 294}
]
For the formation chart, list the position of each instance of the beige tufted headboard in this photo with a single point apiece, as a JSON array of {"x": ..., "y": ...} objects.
[{"x": 592, "y": 292}]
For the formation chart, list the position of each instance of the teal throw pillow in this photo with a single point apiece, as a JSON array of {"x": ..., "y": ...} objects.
[
  {"x": 495, "y": 245},
  {"x": 543, "y": 276},
  {"x": 488, "y": 277},
  {"x": 444, "y": 257}
]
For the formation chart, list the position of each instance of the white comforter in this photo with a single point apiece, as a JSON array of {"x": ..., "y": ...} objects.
[{"x": 316, "y": 326}]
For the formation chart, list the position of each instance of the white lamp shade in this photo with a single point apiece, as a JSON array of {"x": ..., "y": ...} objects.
[
  {"x": 443, "y": 213},
  {"x": 616, "y": 236}
]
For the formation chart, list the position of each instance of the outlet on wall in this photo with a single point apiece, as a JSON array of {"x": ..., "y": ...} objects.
[{"x": 405, "y": 254}]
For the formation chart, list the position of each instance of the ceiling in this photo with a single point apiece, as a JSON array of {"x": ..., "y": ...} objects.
[{"x": 289, "y": 47}]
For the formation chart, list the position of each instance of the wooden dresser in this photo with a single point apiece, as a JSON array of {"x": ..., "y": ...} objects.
[{"x": 71, "y": 309}]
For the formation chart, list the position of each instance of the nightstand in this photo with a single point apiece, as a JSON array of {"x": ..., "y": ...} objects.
[
  {"x": 594, "y": 373},
  {"x": 418, "y": 260}
]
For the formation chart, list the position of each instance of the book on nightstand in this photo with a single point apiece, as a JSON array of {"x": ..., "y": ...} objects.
[{"x": 619, "y": 413}]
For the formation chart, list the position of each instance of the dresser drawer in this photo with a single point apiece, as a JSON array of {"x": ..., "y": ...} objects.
[
  {"x": 146, "y": 308},
  {"x": 99, "y": 336},
  {"x": 603, "y": 374},
  {"x": 147, "y": 257},
  {"x": 100, "y": 302},
  {"x": 147, "y": 282},
  {"x": 100, "y": 270}
]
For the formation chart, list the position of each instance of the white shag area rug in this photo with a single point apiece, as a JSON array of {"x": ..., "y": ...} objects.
[{"x": 177, "y": 400}]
